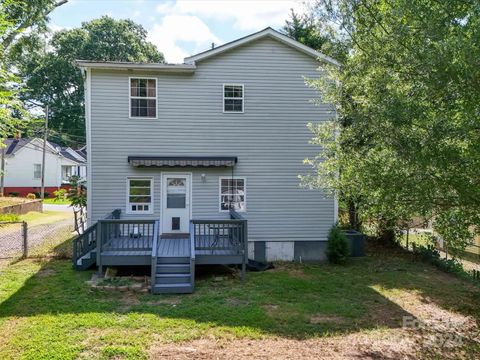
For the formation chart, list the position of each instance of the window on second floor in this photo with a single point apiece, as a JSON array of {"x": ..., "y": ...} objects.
[
  {"x": 143, "y": 98},
  {"x": 37, "y": 171},
  {"x": 233, "y": 98}
]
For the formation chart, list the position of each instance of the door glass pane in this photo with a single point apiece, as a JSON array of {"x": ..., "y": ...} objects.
[{"x": 176, "y": 193}]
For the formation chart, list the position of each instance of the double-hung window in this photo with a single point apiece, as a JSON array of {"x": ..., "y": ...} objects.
[
  {"x": 140, "y": 196},
  {"x": 233, "y": 194},
  {"x": 233, "y": 98},
  {"x": 143, "y": 98},
  {"x": 67, "y": 172},
  {"x": 37, "y": 171}
]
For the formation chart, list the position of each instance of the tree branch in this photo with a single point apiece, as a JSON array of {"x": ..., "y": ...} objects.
[{"x": 29, "y": 22}]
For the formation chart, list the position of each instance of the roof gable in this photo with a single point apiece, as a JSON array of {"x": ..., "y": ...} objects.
[{"x": 268, "y": 32}]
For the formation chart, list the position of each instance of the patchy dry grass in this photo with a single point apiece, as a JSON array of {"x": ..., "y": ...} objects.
[
  {"x": 8, "y": 201},
  {"x": 47, "y": 311}
]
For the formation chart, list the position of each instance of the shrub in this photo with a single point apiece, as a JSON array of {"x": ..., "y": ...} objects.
[
  {"x": 60, "y": 194},
  {"x": 38, "y": 195},
  {"x": 78, "y": 192},
  {"x": 337, "y": 247},
  {"x": 9, "y": 217},
  {"x": 13, "y": 194},
  {"x": 31, "y": 196},
  {"x": 430, "y": 254}
]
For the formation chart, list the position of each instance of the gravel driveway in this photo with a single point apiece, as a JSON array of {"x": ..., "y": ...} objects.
[{"x": 11, "y": 238}]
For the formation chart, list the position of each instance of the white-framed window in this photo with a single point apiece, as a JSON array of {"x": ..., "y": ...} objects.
[
  {"x": 139, "y": 195},
  {"x": 143, "y": 98},
  {"x": 67, "y": 172},
  {"x": 233, "y": 96},
  {"x": 37, "y": 171},
  {"x": 233, "y": 193}
]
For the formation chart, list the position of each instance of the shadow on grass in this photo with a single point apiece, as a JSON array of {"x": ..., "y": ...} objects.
[{"x": 292, "y": 301}]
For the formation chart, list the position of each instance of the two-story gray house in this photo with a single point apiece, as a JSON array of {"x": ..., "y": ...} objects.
[{"x": 200, "y": 160}]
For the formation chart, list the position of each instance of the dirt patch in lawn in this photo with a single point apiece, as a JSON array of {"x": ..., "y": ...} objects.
[
  {"x": 322, "y": 319},
  {"x": 46, "y": 273},
  {"x": 171, "y": 300},
  {"x": 232, "y": 302},
  {"x": 292, "y": 269},
  {"x": 270, "y": 309},
  {"x": 376, "y": 344},
  {"x": 365, "y": 346}
]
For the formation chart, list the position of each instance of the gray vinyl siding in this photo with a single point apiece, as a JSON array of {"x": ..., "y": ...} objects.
[{"x": 270, "y": 138}]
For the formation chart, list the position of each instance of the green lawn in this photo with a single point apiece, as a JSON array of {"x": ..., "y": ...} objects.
[
  {"x": 47, "y": 311},
  {"x": 46, "y": 217}
]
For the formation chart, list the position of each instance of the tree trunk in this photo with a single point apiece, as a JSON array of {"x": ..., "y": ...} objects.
[
  {"x": 386, "y": 232},
  {"x": 353, "y": 215}
]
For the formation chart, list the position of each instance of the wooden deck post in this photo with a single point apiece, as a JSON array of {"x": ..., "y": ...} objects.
[
  {"x": 99, "y": 249},
  {"x": 245, "y": 249}
]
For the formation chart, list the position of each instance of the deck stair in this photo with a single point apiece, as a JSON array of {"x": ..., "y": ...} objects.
[
  {"x": 173, "y": 275},
  {"x": 173, "y": 267},
  {"x": 84, "y": 255},
  {"x": 86, "y": 261}
]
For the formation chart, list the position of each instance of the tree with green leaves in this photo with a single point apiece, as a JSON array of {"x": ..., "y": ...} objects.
[
  {"x": 17, "y": 16},
  {"x": 406, "y": 141},
  {"x": 316, "y": 34},
  {"x": 53, "y": 78}
]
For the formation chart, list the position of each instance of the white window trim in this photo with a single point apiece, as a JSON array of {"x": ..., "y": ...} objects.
[
  {"x": 130, "y": 97},
  {"x": 220, "y": 178},
  {"x": 127, "y": 192},
  {"x": 34, "y": 177},
  {"x": 235, "y": 98}
]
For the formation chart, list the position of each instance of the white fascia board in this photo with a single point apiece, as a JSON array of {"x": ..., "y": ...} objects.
[{"x": 114, "y": 65}]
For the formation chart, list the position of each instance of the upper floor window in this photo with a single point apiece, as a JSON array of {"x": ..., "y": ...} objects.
[
  {"x": 233, "y": 98},
  {"x": 37, "y": 171},
  {"x": 143, "y": 98}
]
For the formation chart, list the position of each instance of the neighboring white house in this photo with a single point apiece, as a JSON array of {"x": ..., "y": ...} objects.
[{"x": 23, "y": 166}]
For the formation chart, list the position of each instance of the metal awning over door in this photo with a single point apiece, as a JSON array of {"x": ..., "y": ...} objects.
[{"x": 182, "y": 161}]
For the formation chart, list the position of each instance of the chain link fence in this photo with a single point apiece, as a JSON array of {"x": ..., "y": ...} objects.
[{"x": 20, "y": 239}]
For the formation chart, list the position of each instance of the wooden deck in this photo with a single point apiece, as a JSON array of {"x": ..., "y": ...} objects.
[
  {"x": 172, "y": 257},
  {"x": 173, "y": 247},
  {"x": 206, "y": 245}
]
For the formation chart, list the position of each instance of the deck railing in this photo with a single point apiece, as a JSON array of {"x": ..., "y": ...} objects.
[
  {"x": 87, "y": 240},
  {"x": 126, "y": 235},
  {"x": 221, "y": 237},
  {"x": 84, "y": 243},
  {"x": 156, "y": 229}
]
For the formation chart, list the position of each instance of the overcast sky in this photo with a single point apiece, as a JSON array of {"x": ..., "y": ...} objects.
[{"x": 183, "y": 27}]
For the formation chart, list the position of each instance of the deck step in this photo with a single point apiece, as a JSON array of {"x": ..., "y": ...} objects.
[
  {"x": 172, "y": 278},
  {"x": 86, "y": 260},
  {"x": 173, "y": 260},
  {"x": 179, "y": 288},
  {"x": 173, "y": 268}
]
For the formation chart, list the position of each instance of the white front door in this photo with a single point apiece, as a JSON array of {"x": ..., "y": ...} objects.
[{"x": 175, "y": 217}]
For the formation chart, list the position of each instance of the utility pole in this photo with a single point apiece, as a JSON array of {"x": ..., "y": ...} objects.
[
  {"x": 45, "y": 135},
  {"x": 2, "y": 173}
]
